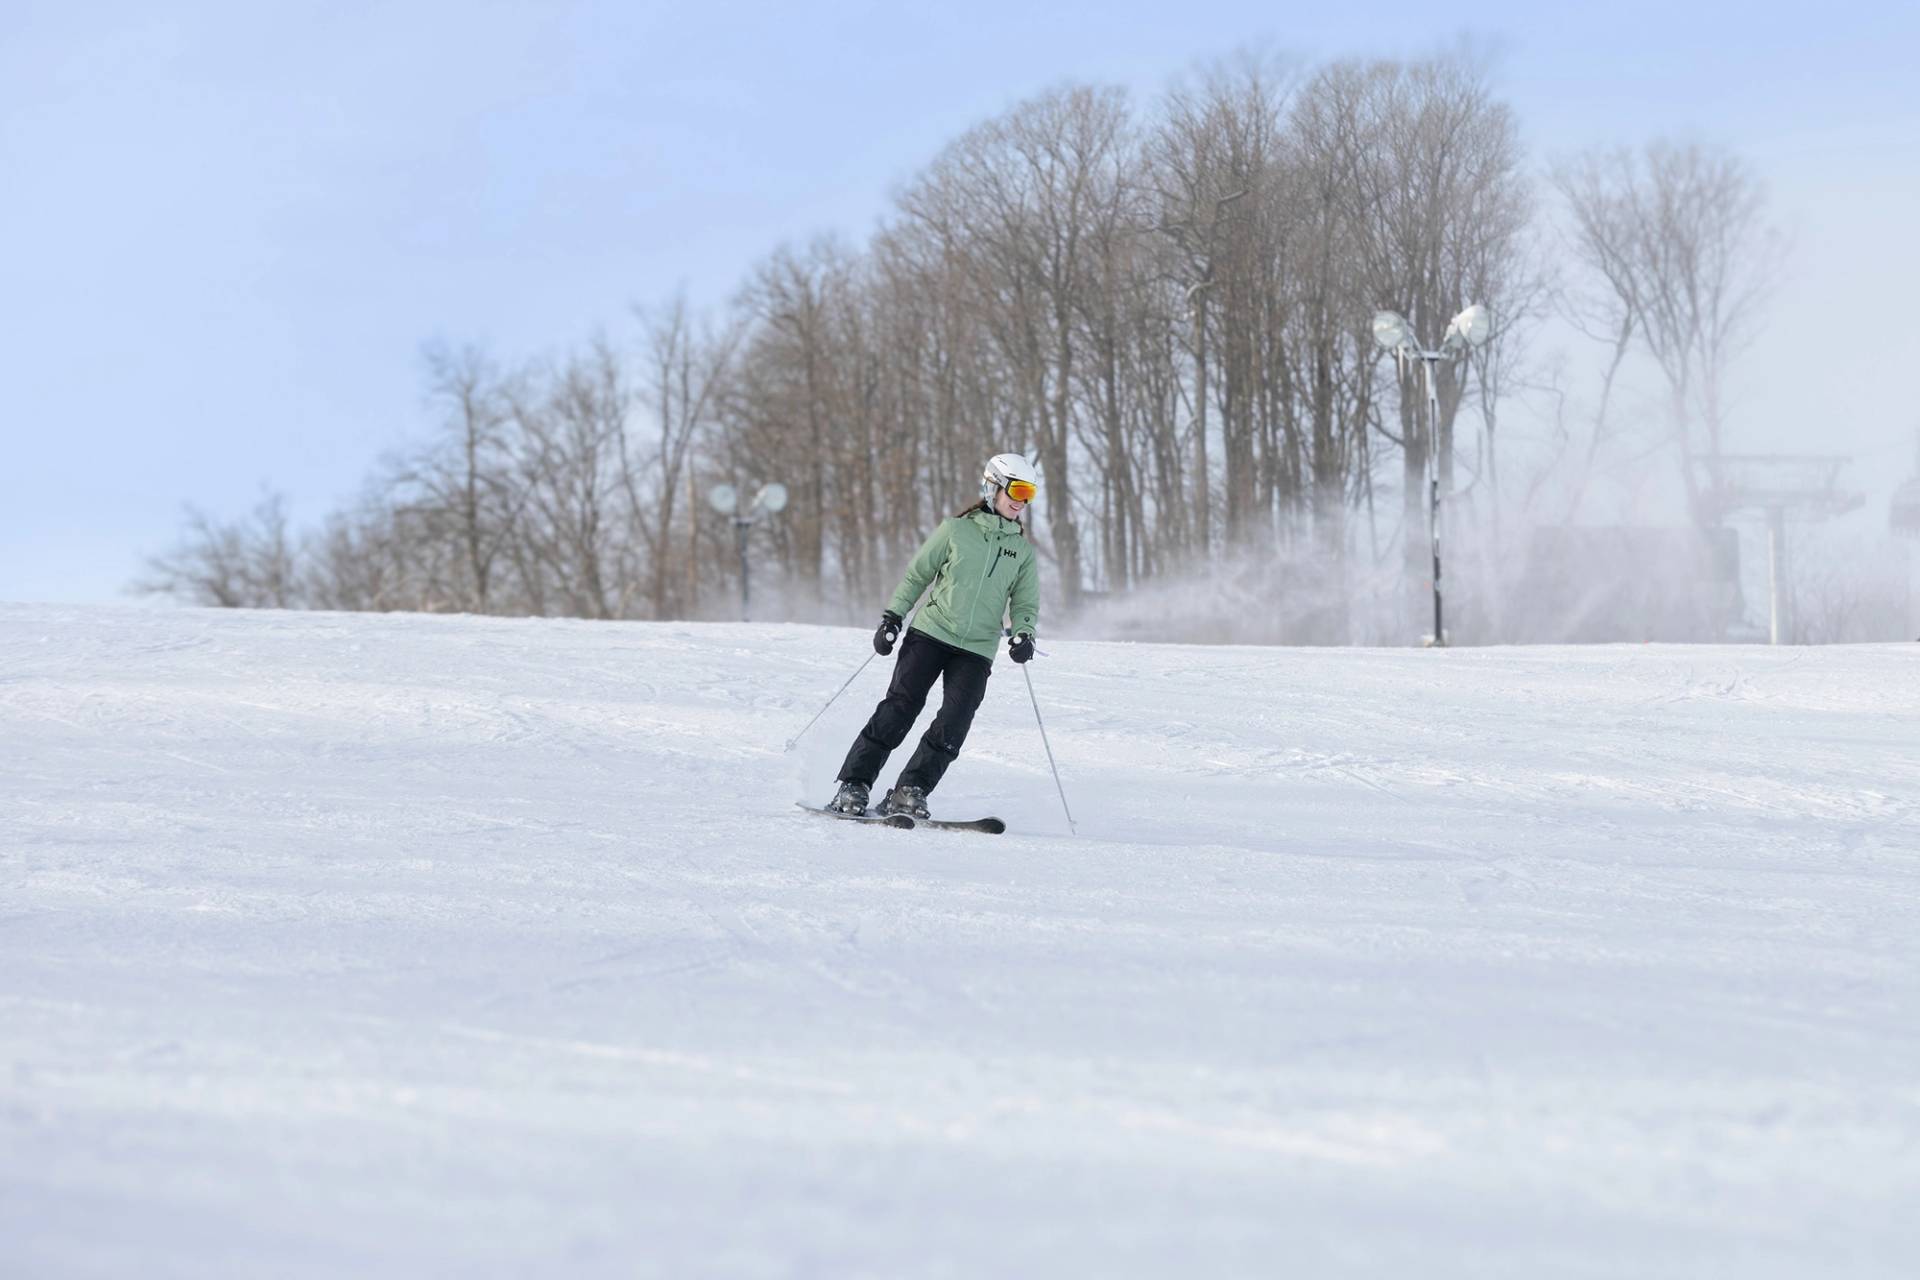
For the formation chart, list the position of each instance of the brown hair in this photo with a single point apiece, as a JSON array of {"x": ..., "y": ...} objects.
[{"x": 985, "y": 505}]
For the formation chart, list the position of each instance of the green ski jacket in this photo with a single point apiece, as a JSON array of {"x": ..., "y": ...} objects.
[{"x": 978, "y": 565}]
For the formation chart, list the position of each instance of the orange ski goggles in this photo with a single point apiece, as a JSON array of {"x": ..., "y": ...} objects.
[{"x": 1022, "y": 490}]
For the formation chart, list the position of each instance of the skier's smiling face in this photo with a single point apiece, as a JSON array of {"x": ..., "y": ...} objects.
[{"x": 1007, "y": 507}]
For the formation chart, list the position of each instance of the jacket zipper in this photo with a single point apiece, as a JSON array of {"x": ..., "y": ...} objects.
[
  {"x": 974, "y": 611},
  {"x": 993, "y": 545}
]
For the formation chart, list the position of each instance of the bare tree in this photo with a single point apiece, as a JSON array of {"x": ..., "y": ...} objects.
[
  {"x": 1437, "y": 197},
  {"x": 1015, "y": 201},
  {"x": 1677, "y": 238},
  {"x": 785, "y": 409},
  {"x": 1193, "y": 173},
  {"x": 570, "y": 429},
  {"x": 462, "y": 488},
  {"x": 685, "y": 372},
  {"x": 248, "y": 563},
  {"x": 382, "y": 556}
]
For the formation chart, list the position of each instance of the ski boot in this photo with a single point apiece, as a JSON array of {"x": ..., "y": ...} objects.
[
  {"x": 911, "y": 801},
  {"x": 851, "y": 798}
]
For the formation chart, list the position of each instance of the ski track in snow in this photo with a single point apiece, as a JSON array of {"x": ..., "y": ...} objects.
[{"x": 398, "y": 945}]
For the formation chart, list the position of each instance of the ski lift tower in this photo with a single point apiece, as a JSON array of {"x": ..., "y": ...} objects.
[
  {"x": 1778, "y": 486},
  {"x": 1903, "y": 519},
  {"x": 1903, "y": 514}
]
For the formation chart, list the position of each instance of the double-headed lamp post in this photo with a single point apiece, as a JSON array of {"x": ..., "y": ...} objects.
[
  {"x": 725, "y": 499},
  {"x": 1466, "y": 330}
]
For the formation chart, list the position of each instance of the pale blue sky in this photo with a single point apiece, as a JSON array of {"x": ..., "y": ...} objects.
[{"x": 227, "y": 230}]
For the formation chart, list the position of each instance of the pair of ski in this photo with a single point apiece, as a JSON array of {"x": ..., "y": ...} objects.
[{"x": 906, "y": 822}]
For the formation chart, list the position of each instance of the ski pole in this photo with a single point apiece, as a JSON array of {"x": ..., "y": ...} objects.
[
  {"x": 1049, "y": 746},
  {"x": 795, "y": 739}
]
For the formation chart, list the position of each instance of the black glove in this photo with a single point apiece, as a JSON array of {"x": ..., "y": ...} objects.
[
  {"x": 886, "y": 633},
  {"x": 1021, "y": 650}
]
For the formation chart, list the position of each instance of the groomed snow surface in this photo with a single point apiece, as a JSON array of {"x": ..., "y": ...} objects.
[{"x": 408, "y": 946}]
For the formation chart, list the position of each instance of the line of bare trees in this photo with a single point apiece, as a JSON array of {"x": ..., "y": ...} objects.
[{"x": 1169, "y": 310}]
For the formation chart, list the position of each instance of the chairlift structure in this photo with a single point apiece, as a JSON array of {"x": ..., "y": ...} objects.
[
  {"x": 1903, "y": 520},
  {"x": 1776, "y": 486},
  {"x": 1903, "y": 513}
]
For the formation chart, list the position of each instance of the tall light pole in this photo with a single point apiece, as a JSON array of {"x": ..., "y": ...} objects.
[
  {"x": 1467, "y": 330},
  {"x": 725, "y": 499}
]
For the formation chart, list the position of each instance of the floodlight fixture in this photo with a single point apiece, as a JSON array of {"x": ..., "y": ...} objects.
[
  {"x": 1391, "y": 330},
  {"x": 1468, "y": 329},
  {"x": 769, "y": 499}
]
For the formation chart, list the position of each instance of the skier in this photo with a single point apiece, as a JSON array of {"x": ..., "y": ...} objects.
[{"x": 978, "y": 564}]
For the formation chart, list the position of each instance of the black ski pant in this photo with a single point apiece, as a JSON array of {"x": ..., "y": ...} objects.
[{"x": 922, "y": 660}]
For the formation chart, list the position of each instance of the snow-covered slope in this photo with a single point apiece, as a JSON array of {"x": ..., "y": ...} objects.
[{"x": 348, "y": 945}]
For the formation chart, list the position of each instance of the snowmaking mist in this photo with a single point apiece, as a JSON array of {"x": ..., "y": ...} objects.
[{"x": 1541, "y": 585}]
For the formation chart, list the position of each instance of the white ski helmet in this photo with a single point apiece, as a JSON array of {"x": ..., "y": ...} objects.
[{"x": 1005, "y": 469}]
